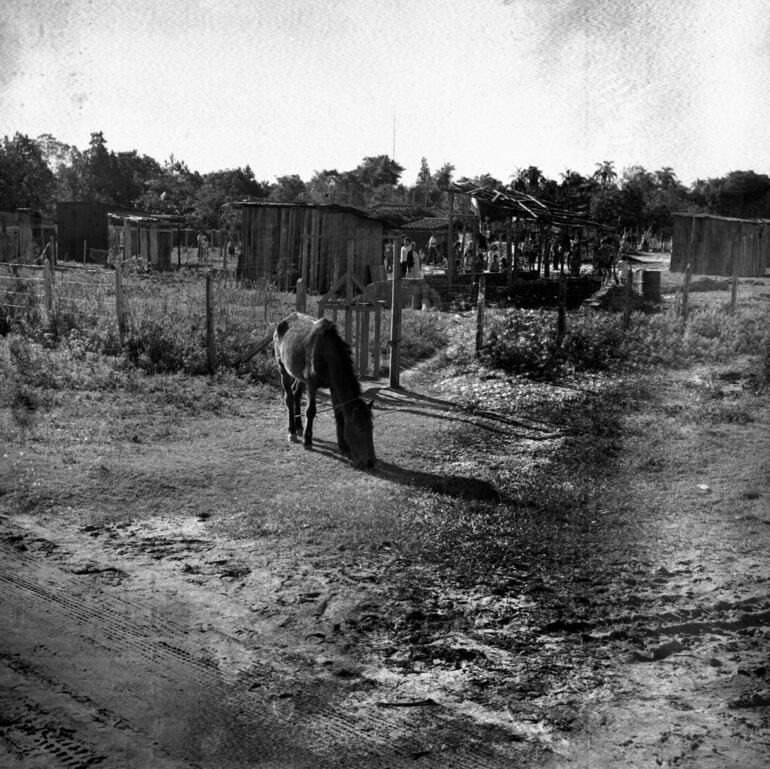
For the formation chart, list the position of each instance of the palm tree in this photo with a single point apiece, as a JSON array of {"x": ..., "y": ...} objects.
[
  {"x": 605, "y": 173},
  {"x": 666, "y": 177},
  {"x": 527, "y": 179}
]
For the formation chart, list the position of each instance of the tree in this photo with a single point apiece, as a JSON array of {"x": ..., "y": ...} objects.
[
  {"x": 574, "y": 192},
  {"x": 378, "y": 170},
  {"x": 55, "y": 153},
  {"x": 99, "y": 170},
  {"x": 172, "y": 191},
  {"x": 323, "y": 186},
  {"x": 665, "y": 177},
  {"x": 289, "y": 189},
  {"x": 527, "y": 180},
  {"x": 424, "y": 178},
  {"x": 443, "y": 177},
  {"x": 26, "y": 181},
  {"x": 221, "y": 187},
  {"x": 605, "y": 173},
  {"x": 742, "y": 194}
]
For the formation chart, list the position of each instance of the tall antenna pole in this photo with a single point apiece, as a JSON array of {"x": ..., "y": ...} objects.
[{"x": 393, "y": 156}]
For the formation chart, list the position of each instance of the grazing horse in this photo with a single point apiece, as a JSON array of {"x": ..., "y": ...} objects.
[{"x": 311, "y": 353}]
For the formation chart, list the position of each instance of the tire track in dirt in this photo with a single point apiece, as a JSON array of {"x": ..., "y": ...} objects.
[{"x": 304, "y": 733}]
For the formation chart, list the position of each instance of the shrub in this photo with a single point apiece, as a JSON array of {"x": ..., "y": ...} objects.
[
  {"x": 525, "y": 342},
  {"x": 422, "y": 335}
]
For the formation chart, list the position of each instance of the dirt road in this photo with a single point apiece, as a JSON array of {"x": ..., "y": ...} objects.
[{"x": 181, "y": 587}]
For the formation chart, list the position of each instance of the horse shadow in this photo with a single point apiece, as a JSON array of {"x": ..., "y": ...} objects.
[
  {"x": 418, "y": 404},
  {"x": 458, "y": 486}
]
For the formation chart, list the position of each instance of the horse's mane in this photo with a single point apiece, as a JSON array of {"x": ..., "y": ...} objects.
[{"x": 345, "y": 354}]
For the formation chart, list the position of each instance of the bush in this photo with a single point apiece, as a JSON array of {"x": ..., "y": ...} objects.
[
  {"x": 422, "y": 335},
  {"x": 526, "y": 342}
]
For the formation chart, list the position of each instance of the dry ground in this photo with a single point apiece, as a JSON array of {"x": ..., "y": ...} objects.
[{"x": 582, "y": 585}]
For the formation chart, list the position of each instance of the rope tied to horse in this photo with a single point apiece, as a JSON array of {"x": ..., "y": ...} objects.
[{"x": 333, "y": 407}]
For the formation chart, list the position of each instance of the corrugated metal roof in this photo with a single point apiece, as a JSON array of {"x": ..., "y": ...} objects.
[
  {"x": 701, "y": 215},
  {"x": 334, "y": 207},
  {"x": 426, "y": 223}
]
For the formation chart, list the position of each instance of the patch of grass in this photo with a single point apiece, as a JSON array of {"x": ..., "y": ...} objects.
[
  {"x": 526, "y": 342},
  {"x": 422, "y": 335}
]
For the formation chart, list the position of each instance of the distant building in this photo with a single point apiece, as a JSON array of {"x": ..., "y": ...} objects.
[
  {"x": 286, "y": 241},
  {"x": 710, "y": 244},
  {"x": 24, "y": 233},
  {"x": 84, "y": 229}
]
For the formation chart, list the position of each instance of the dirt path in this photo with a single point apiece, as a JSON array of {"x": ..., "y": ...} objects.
[{"x": 187, "y": 589}]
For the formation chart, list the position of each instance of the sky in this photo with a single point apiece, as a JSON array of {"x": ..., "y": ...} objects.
[{"x": 490, "y": 86}]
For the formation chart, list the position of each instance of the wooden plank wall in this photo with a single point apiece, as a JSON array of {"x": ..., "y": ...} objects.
[
  {"x": 275, "y": 239},
  {"x": 711, "y": 243}
]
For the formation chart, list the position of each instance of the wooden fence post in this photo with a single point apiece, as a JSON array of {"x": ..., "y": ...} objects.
[
  {"x": 451, "y": 267},
  {"x": 300, "y": 304},
  {"x": 736, "y": 271},
  {"x": 686, "y": 292},
  {"x": 120, "y": 308},
  {"x": 395, "y": 325},
  {"x": 210, "y": 339},
  {"x": 561, "y": 328},
  {"x": 480, "y": 304},
  {"x": 628, "y": 297},
  {"x": 48, "y": 285},
  {"x": 85, "y": 250}
]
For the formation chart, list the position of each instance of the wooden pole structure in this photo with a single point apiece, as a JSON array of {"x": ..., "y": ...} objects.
[
  {"x": 686, "y": 291},
  {"x": 48, "y": 284},
  {"x": 376, "y": 350},
  {"x": 350, "y": 266},
  {"x": 210, "y": 339},
  {"x": 691, "y": 244},
  {"x": 85, "y": 250},
  {"x": 301, "y": 297},
  {"x": 395, "y": 326},
  {"x": 120, "y": 308},
  {"x": 480, "y": 305},
  {"x": 450, "y": 250},
  {"x": 561, "y": 328},
  {"x": 363, "y": 343},
  {"x": 628, "y": 297},
  {"x": 736, "y": 271},
  {"x": 508, "y": 251}
]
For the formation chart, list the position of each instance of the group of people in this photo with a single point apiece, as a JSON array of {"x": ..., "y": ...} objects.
[{"x": 555, "y": 252}]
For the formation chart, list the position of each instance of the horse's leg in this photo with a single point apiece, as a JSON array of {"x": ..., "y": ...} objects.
[
  {"x": 340, "y": 419},
  {"x": 309, "y": 416},
  {"x": 287, "y": 380},
  {"x": 298, "y": 388}
]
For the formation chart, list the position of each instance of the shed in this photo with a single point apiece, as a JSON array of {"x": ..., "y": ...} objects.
[
  {"x": 83, "y": 226},
  {"x": 710, "y": 243},
  {"x": 144, "y": 236},
  {"x": 286, "y": 241},
  {"x": 22, "y": 233}
]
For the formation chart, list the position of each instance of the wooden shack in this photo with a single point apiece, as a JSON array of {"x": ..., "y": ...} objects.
[
  {"x": 24, "y": 233},
  {"x": 150, "y": 238},
  {"x": 286, "y": 241},
  {"x": 710, "y": 243}
]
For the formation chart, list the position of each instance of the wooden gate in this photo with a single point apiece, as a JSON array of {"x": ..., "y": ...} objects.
[{"x": 362, "y": 317}]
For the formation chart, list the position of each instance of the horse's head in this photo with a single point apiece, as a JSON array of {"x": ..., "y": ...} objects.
[{"x": 358, "y": 433}]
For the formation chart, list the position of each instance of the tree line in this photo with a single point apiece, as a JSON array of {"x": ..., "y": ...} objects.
[{"x": 38, "y": 172}]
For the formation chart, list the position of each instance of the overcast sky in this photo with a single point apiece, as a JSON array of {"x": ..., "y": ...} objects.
[{"x": 297, "y": 86}]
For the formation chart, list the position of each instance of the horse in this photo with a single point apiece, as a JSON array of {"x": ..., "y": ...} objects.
[{"x": 311, "y": 353}]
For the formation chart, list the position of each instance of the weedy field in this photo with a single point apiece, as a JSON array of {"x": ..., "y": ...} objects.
[{"x": 560, "y": 560}]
